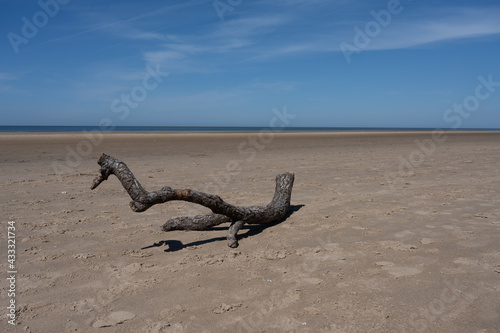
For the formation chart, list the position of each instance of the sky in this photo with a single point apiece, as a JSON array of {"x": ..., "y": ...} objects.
[{"x": 331, "y": 63}]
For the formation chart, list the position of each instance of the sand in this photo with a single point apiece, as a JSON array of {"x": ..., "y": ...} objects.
[{"x": 391, "y": 232}]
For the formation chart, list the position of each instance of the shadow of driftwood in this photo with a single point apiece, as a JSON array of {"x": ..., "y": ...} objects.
[{"x": 251, "y": 230}]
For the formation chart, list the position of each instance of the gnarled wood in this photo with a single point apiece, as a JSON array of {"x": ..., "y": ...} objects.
[{"x": 222, "y": 211}]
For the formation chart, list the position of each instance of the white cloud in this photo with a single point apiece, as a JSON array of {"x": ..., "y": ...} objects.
[
  {"x": 159, "y": 57},
  {"x": 249, "y": 26},
  {"x": 263, "y": 37},
  {"x": 6, "y": 85},
  {"x": 276, "y": 86},
  {"x": 188, "y": 53},
  {"x": 441, "y": 26}
]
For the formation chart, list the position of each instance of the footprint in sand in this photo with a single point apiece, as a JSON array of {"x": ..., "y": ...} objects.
[
  {"x": 165, "y": 327},
  {"x": 398, "y": 246},
  {"x": 113, "y": 319},
  {"x": 398, "y": 271}
]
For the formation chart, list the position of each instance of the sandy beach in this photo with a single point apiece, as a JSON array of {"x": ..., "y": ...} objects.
[{"x": 390, "y": 232}]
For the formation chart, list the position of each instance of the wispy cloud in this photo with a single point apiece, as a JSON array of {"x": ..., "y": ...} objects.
[
  {"x": 276, "y": 86},
  {"x": 239, "y": 35},
  {"x": 6, "y": 83},
  {"x": 102, "y": 23},
  {"x": 250, "y": 26},
  {"x": 252, "y": 39},
  {"x": 452, "y": 24}
]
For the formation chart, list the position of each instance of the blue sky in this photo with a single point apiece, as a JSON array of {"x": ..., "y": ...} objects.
[{"x": 231, "y": 62}]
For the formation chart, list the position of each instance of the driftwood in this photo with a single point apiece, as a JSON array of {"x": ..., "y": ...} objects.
[{"x": 222, "y": 212}]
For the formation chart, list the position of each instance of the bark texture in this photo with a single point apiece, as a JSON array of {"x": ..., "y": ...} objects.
[{"x": 222, "y": 212}]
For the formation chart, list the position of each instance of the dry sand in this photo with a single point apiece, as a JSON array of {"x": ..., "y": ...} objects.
[{"x": 375, "y": 244}]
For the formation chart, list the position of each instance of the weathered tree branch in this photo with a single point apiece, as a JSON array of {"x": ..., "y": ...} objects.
[{"x": 222, "y": 211}]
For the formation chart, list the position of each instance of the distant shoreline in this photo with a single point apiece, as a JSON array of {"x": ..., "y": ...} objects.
[
  {"x": 223, "y": 129},
  {"x": 117, "y": 136}
]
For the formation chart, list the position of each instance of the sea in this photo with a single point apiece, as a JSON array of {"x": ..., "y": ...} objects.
[{"x": 21, "y": 129}]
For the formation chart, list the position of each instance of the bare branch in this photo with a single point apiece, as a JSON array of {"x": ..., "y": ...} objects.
[{"x": 222, "y": 212}]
